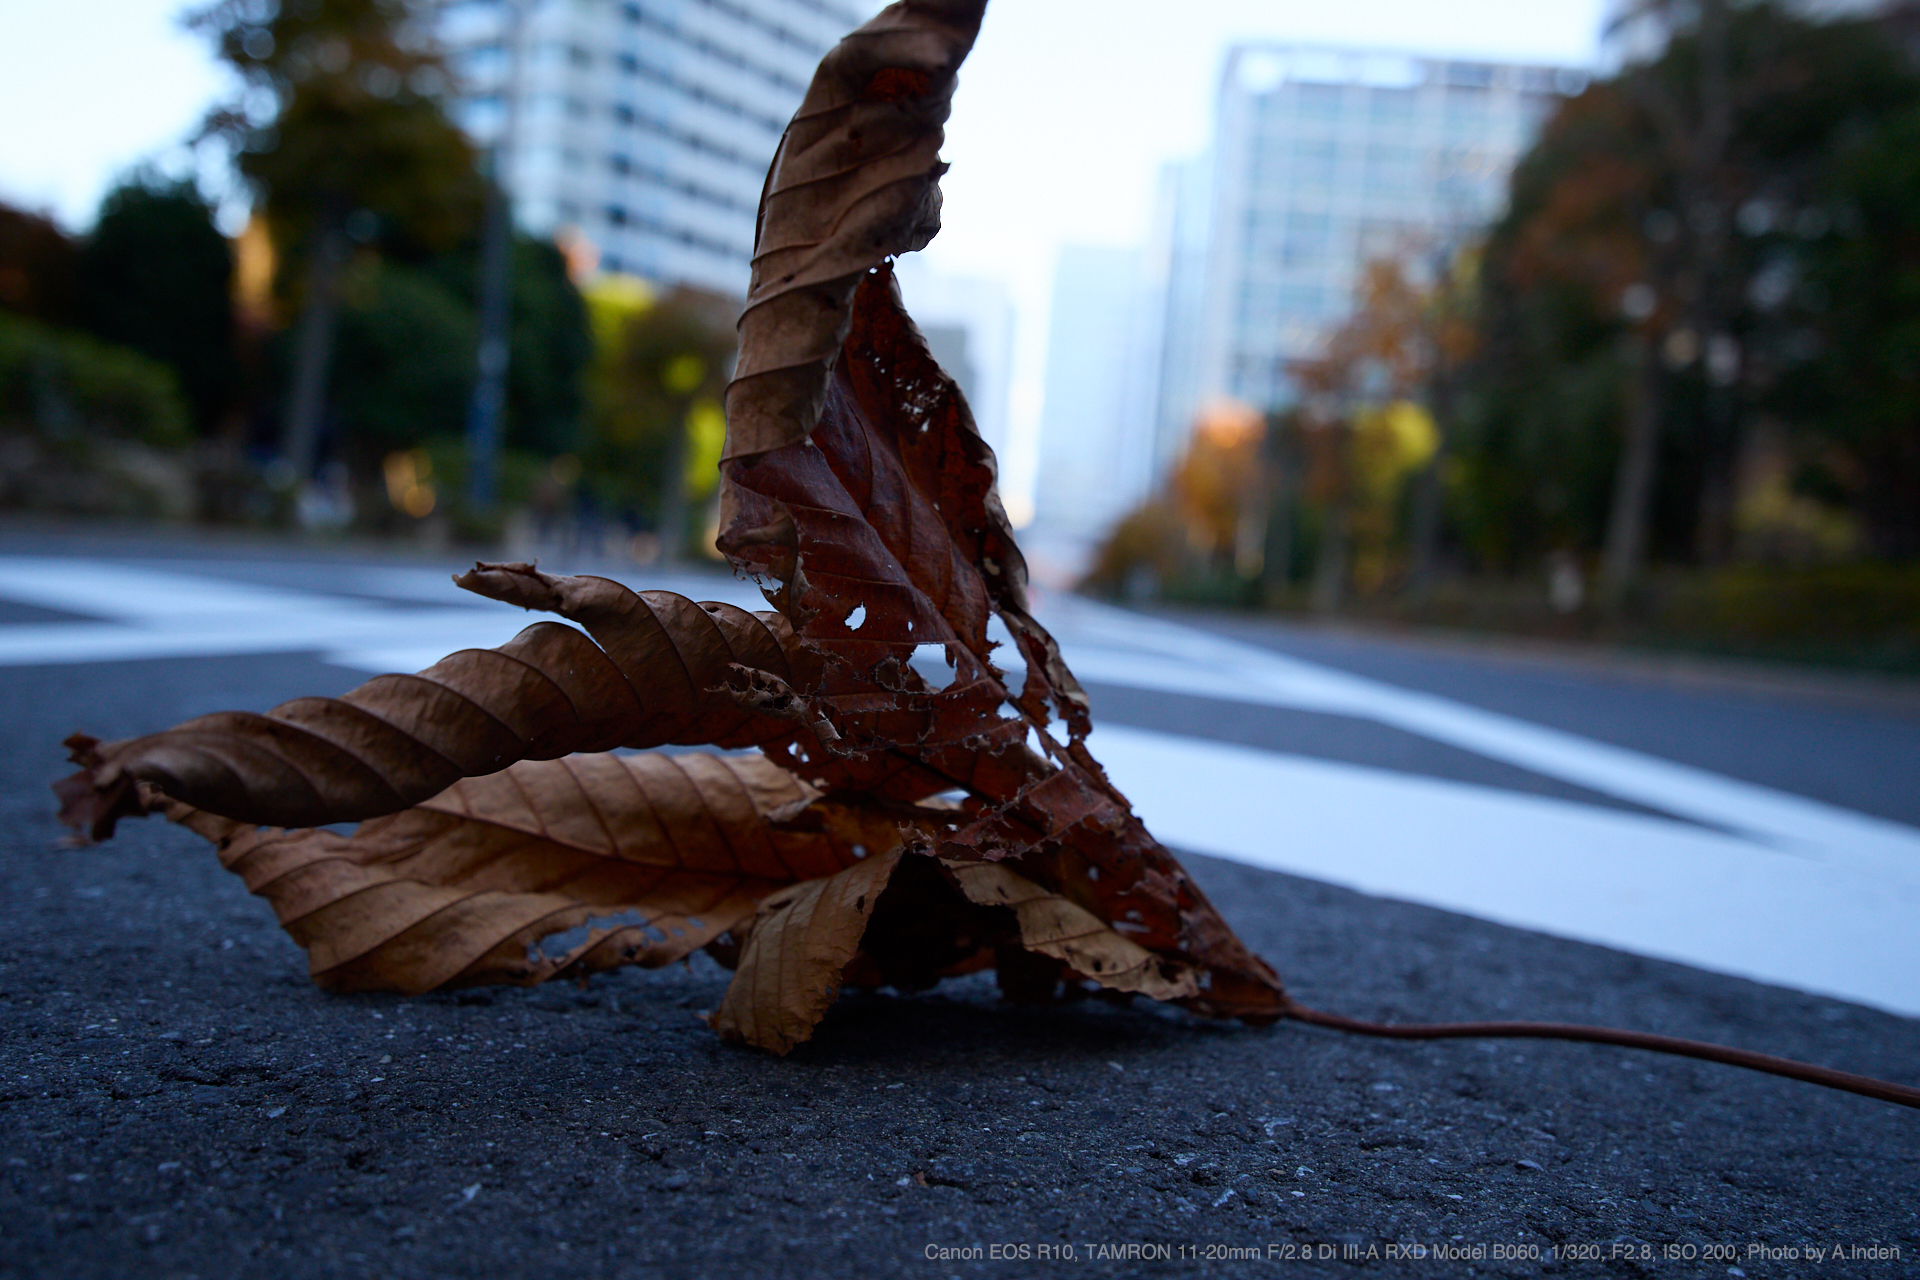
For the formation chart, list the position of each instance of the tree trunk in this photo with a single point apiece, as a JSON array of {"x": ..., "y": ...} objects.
[
  {"x": 1423, "y": 535},
  {"x": 673, "y": 496},
  {"x": 1276, "y": 561},
  {"x": 1256, "y": 514},
  {"x": 1330, "y": 573},
  {"x": 490, "y": 364},
  {"x": 313, "y": 347},
  {"x": 1626, "y": 543},
  {"x": 1425, "y": 532},
  {"x": 1726, "y": 441}
]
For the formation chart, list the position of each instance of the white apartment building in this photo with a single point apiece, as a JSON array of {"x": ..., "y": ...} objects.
[
  {"x": 645, "y": 126},
  {"x": 1323, "y": 160}
]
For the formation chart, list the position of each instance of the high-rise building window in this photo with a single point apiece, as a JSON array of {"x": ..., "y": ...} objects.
[
  {"x": 1300, "y": 299},
  {"x": 1390, "y": 170},
  {"x": 1325, "y": 160},
  {"x": 1306, "y": 239},
  {"x": 1390, "y": 107},
  {"x": 669, "y": 166},
  {"x": 1466, "y": 114},
  {"x": 1320, "y": 101},
  {"x": 1314, "y": 160},
  {"x": 1476, "y": 75}
]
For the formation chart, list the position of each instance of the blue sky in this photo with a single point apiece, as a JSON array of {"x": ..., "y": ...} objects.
[{"x": 89, "y": 88}]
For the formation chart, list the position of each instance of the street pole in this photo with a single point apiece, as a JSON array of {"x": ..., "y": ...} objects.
[
  {"x": 490, "y": 379},
  {"x": 313, "y": 346},
  {"x": 496, "y": 293}
]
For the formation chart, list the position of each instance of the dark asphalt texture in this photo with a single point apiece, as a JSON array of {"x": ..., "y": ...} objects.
[{"x": 177, "y": 1101}]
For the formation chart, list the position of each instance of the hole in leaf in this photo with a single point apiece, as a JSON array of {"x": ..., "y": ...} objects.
[
  {"x": 857, "y": 618},
  {"x": 1006, "y": 653},
  {"x": 555, "y": 945},
  {"x": 934, "y": 662}
]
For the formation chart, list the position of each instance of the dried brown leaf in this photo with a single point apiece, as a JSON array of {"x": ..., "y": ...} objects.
[
  {"x": 855, "y": 180},
  {"x": 858, "y": 490},
  {"x": 856, "y": 486},
  {"x": 399, "y": 739},
  {"x": 859, "y": 487},
  {"x": 886, "y": 515},
  {"x": 1067, "y": 931},
  {"x": 647, "y": 857},
  {"x": 802, "y": 941}
]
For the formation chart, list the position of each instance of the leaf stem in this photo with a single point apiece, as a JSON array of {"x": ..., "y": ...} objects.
[{"x": 1884, "y": 1090}]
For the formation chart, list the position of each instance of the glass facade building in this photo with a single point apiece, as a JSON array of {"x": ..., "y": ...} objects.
[
  {"x": 1323, "y": 161},
  {"x": 643, "y": 126}
]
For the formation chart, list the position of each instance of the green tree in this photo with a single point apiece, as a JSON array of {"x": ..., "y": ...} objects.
[
  {"x": 1538, "y": 438},
  {"x": 1856, "y": 314},
  {"x": 156, "y": 275},
  {"x": 356, "y": 146},
  {"x": 550, "y": 344},
  {"x": 1634, "y": 291},
  {"x": 659, "y": 370},
  {"x": 406, "y": 362},
  {"x": 36, "y": 267}
]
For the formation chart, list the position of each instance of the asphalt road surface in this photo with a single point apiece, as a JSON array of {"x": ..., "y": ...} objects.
[{"x": 1407, "y": 831}]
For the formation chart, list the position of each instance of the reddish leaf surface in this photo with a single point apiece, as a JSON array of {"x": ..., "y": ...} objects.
[{"x": 886, "y": 513}]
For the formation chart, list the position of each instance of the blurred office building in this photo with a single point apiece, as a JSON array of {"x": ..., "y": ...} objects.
[
  {"x": 1322, "y": 160},
  {"x": 1325, "y": 160},
  {"x": 644, "y": 126}
]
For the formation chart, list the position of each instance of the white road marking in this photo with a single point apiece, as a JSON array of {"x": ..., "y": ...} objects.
[
  {"x": 126, "y": 593},
  {"x": 1789, "y": 890},
  {"x": 1162, "y": 656},
  {"x": 1621, "y": 879},
  {"x": 164, "y": 613}
]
